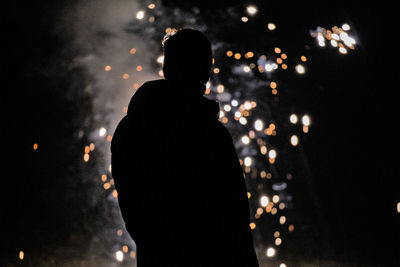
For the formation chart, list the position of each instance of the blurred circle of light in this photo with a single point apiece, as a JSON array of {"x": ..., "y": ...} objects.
[
  {"x": 334, "y": 43},
  {"x": 343, "y": 36},
  {"x": 306, "y": 120},
  {"x": 140, "y": 14},
  {"x": 247, "y": 105},
  {"x": 160, "y": 59},
  {"x": 272, "y": 154},
  {"x": 251, "y": 10},
  {"x": 234, "y": 103},
  {"x": 264, "y": 201},
  {"x": 335, "y": 36},
  {"x": 245, "y": 19},
  {"x": 102, "y": 131},
  {"x": 268, "y": 67},
  {"x": 221, "y": 114},
  {"x": 293, "y": 118},
  {"x": 245, "y": 140},
  {"x": 294, "y": 140},
  {"x": 321, "y": 43},
  {"x": 342, "y": 50},
  {"x": 227, "y": 108},
  {"x": 238, "y": 114},
  {"x": 349, "y": 41},
  {"x": 300, "y": 69},
  {"x": 271, "y": 26},
  {"x": 119, "y": 255},
  {"x": 346, "y": 27},
  {"x": 247, "y": 161},
  {"x": 243, "y": 121},
  {"x": 258, "y": 125},
  {"x": 398, "y": 207},
  {"x": 282, "y": 265},
  {"x": 270, "y": 252},
  {"x": 320, "y": 37},
  {"x": 21, "y": 255}
]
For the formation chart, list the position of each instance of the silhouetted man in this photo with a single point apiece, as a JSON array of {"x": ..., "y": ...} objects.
[{"x": 181, "y": 188}]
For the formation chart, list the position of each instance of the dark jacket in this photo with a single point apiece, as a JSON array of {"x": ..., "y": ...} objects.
[{"x": 180, "y": 185}]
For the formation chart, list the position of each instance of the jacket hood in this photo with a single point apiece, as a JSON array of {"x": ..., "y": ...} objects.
[{"x": 166, "y": 94}]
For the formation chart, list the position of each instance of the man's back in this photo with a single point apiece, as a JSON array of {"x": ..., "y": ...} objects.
[{"x": 181, "y": 187}]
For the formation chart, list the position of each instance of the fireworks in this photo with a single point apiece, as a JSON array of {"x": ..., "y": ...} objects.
[
  {"x": 337, "y": 37},
  {"x": 255, "y": 122}
]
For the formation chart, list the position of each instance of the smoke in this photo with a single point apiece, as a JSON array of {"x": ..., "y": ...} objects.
[
  {"x": 99, "y": 31},
  {"x": 104, "y": 49}
]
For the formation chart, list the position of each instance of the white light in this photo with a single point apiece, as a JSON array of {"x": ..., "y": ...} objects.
[
  {"x": 282, "y": 265},
  {"x": 274, "y": 66},
  {"x": 259, "y": 125},
  {"x": 238, "y": 114},
  {"x": 251, "y": 10},
  {"x": 221, "y": 114},
  {"x": 342, "y": 50},
  {"x": 119, "y": 255},
  {"x": 245, "y": 19},
  {"x": 300, "y": 69},
  {"x": 294, "y": 140},
  {"x": 246, "y": 69},
  {"x": 268, "y": 67},
  {"x": 306, "y": 120},
  {"x": 334, "y": 43},
  {"x": 335, "y": 36},
  {"x": 247, "y": 161},
  {"x": 160, "y": 59},
  {"x": 208, "y": 85},
  {"x": 234, "y": 103},
  {"x": 272, "y": 154},
  {"x": 349, "y": 41},
  {"x": 343, "y": 35},
  {"x": 227, "y": 108},
  {"x": 243, "y": 121},
  {"x": 264, "y": 201},
  {"x": 140, "y": 14},
  {"x": 346, "y": 27},
  {"x": 320, "y": 37},
  {"x": 270, "y": 252},
  {"x": 247, "y": 105},
  {"x": 271, "y": 26},
  {"x": 245, "y": 139},
  {"x": 321, "y": 43},
  {"x": 275, "y": 199},
  {"x": 293, "y": 118},
  {"x": 102, "y": 131}
]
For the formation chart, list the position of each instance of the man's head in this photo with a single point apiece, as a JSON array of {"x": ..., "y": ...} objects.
[{"x": 187, "y": 56}]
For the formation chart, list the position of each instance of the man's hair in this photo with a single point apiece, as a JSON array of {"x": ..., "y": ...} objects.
[{"x": 187, "y": 56}]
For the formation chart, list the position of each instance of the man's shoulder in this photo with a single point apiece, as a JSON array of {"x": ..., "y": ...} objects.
[{"x": 146, "y": 93}]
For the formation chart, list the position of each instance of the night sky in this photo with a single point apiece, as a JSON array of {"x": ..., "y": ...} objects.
[{"x": 352, "y": 148}]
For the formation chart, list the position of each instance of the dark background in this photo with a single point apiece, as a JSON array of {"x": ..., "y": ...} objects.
[{"x": 352, "y": 148}]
